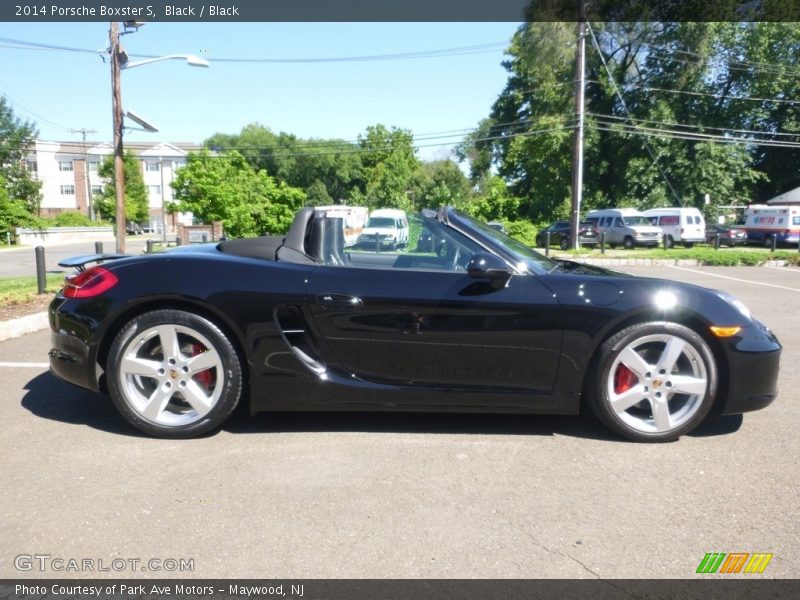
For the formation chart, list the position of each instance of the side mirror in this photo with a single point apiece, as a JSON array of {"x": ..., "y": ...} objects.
[{"x": 488, "y": 266}]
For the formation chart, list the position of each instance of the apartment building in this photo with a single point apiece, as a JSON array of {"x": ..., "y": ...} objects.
[{"x": 69, "y": 175}]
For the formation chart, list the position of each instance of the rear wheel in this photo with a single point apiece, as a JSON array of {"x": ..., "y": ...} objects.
[
  {"x": 654, "y": 382},
  {"x": 173, "y": 374}
]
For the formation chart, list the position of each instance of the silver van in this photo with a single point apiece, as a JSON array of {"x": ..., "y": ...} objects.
[{"x": 625, "y": 226}]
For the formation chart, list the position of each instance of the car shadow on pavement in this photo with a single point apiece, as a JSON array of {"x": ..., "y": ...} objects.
[
  {"x": 579, "y": 426},
  {"x": 50, "y": 398}
]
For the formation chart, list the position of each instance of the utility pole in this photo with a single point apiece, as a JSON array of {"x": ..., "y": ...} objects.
[
  {"x": 90, "y": 204},
  {"x": 119, "y": 166},
  {"x": 577, "y": 152}
]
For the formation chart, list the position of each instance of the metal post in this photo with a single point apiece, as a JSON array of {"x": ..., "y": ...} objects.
[
  {"x": 377, "y": 242},
  {"x": 716, "y": 241},
  {"x": 98, "y": 247},
  {"x": 149, "y": 249},
  {"x": 577, "y": 151},
  {"x": 41, "y": 272},
  {"x": 547, "y": 243},
  {"x": 177, "y": 240},
  {"x": 774, "y": 243},
  {"x": 664, "y": 238},
  {"x": 205, "y": 238},
  {"x": 602, "y": 242}
]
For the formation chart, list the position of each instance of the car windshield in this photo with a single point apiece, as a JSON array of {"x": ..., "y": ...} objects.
[
  {"x": 630, "y": 221},
  {"x": 537, "y": 262},
  {"x": 380, "y": 222}
]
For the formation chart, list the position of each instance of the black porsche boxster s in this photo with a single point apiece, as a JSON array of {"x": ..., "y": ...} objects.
[{"x": 177, "y": 339}]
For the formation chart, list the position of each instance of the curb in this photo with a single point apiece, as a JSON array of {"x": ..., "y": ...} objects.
[
  {"x": 18, "y": 327},
  {"x": 639, "y": 262}
]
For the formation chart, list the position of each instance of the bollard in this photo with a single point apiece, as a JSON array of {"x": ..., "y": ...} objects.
[
  {"x": 377, "y": 242},
  {"x": 8, "y": 237},
  {"x": 98, "y": 247},
  {"x": 41, "y": 276},
  {"x": 664, "y": 240},
  {"x": 205, "y": 238},
  {"x": 716, "y": 241},
  {"x": 602, "y": 242},
  {"x": 773, "y": 243},
  {"x": 149, "y": 249},
  {"x": 177, "y": 240},
  {"x": 547, "y": 243}
]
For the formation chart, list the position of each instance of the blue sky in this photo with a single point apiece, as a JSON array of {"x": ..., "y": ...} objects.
[{"x": 67, "y": 90}]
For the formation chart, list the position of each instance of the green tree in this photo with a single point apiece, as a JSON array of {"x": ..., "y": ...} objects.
[
  {"x": 136, "y": 205},
  {"x": 16, "y": 137},
  {"x": 226, "y": 188},
  {"x": 335, "y": 164},
  {"x": 440, "y": 182},
  {"x": 390, "y": 163},
  {"x": 647, "y": 134}
]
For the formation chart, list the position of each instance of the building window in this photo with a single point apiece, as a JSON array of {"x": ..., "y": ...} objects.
[
  {"x": 67, "y": 190},
  {"x": 152, "y": 167},
  {"x": 32, "y": 166},
  {"x": 97, "y": 190},
  {"x": 154, "y": 190},
  {"x": 93, "y": 166},
  {"x": 65, "y": 165}
]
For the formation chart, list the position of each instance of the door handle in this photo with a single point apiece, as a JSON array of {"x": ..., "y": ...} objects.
[{"x": 340, "y": 301}]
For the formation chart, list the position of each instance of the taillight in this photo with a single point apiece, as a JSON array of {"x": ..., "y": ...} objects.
[{"x": 89, "y": 283}]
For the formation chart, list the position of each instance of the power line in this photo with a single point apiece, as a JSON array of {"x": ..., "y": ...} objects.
[
  {"x": 442, "y": 52},
  {"x": 709, "y": 94},
  {"x": 691, "y": 126},
  {"x": 628, "y": 129}
]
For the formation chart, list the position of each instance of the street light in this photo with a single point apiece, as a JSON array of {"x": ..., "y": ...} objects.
[{"x": 119, "y": 61}]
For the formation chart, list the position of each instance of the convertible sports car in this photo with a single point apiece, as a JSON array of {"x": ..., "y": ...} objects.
[{"x": 179, "y": 338}]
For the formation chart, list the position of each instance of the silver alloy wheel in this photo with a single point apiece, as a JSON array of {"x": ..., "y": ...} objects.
[
  {"x": 171, "y": 375},
  {"x": 657, "y": 383}
]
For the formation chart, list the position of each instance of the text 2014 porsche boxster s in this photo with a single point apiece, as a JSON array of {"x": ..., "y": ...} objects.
[{"x": 179, "y": 338}]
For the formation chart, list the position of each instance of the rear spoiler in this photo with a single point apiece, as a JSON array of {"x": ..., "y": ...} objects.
[{"x": 80, "y": 262}]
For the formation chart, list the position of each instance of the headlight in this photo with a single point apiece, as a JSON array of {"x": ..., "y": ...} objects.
[
  {"x": 737, "y": 304},
  {"x": 389, "y": 236}
]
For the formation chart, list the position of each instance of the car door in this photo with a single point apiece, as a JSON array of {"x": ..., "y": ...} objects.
[{"x": 441, "y": 329}]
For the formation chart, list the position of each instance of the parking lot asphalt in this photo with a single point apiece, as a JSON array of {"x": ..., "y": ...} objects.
[{"x": 400, "y": 496}]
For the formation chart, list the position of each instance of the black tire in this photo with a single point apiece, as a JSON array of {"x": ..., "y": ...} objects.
[
  {"x": 564, "y": 244},
  {"x": 670, "y": 242},
  {"x": 180, "y": 384},
  {"x": 768, "y": 241},
  {"x": 628, "y": 243},
  {"x": 656, "y": 388}
]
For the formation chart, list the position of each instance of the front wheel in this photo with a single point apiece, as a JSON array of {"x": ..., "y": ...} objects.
[
  {"x": 564, "y": 244},
  {"x": 653, "y": 382},
  {"x": 173, "y": 374},
  {"x": 628, "y": 243}
]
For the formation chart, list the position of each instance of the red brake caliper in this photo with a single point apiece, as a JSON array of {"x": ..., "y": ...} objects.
[
  {"x": 624, "y": 379},
  {"x": 205, "y": 378}
]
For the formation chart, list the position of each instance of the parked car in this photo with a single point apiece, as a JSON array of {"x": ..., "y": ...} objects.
[
  {"x": 132, "y": 228},
  {"x": 177, "y": 339},
  {"x": 728, "y": 235},
  {"x": 626, "y": 226},
  {"x": 390, "y": 225},
  {"x": 428, "y": 242},
  {"x": 681, "y": 225},
  {"x": 560, "y": 234}
]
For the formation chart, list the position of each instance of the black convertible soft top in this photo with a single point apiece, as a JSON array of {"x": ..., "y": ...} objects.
[{"x": 265, "y": 246}]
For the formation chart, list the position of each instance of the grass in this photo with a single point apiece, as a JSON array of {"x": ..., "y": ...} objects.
[
  {"x": 21, "y": 290},
  {"x": 706, "y": 255}
]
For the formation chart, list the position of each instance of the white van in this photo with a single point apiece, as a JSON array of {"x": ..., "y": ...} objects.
[
  {"x": 391, "y": 224},
  {"x": 353, "y": 219},
  {"x": 681, "y": 225},
  {"x": 626, "y": 226}
]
